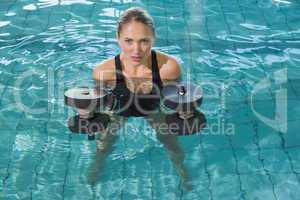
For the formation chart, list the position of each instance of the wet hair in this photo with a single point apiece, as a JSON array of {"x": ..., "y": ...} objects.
[{"x": 135, "y": 14}]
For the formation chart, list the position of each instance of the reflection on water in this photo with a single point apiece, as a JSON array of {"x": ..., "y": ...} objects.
[{"x": 227, "y": 47}]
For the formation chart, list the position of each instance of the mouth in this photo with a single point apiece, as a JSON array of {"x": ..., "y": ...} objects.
[{"x": 136, "y": 58}]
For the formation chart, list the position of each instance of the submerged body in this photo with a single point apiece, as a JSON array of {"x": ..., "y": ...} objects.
[{"x": 136, "y": 77}]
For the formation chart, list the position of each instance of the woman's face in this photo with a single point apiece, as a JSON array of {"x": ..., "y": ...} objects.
[{"x": 136, "y": 40}]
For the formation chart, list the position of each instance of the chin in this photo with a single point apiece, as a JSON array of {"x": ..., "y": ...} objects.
[{"x": 135, "y": 62}]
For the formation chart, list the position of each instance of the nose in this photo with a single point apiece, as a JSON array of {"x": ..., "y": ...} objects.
[{"x": 137, "y": 47}]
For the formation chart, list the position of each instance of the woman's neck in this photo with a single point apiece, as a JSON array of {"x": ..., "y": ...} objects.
[{"x": 131, "y": 69}]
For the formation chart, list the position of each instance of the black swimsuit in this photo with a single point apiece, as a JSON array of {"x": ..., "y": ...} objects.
[{"x": 132, "y": 104}]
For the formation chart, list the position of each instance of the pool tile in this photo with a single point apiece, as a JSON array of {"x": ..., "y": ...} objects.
[
  {"x": 264, "y": 108},
  {"x": 5, "y": 6},
  {"x": 248, "y": 161},
  {"x": 266, "y": 136},
  {"x": 2, "y": 88},
  {"x": 55, "y": 19},
  {"x": 143, "y": 163},
  {"x": 291, "y": 138},
  {"x": 239, "y": 114},
  {"x": 262, "y": 183},
  {"x": 231, "y": 190},
  {"x": 171, "y": 193},
  {"x": 197, "y": 193},
  {"x": 275, "y": 160},
  {"x": 294, "y": 153},
  {"x": 243, "y": 136},
  {"x": 213, "y": 142},
  {"x": 232, "y": 161},
  {"x": 10, "y": 119},
  {"x": 220, "y": 162},
  {"x": 293, "y": 110},
  {"x": 135, "y": 192},
  {"x": 7, "y": 147},
  {"x": 83, "y": 11},
  {"x": 286, "y": 186},
  {"x": 295, "y": 84}
]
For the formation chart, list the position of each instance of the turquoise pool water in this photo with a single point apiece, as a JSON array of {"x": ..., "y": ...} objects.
[{"x": 245, "y": 54}]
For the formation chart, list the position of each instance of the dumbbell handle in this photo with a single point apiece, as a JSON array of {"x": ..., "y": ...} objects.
[
  {"x": 181, "y": 90},
  {"x": 85, "y": 113}
]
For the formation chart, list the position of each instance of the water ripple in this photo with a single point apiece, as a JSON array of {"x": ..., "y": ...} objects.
[
  {"x": 4, "y": 23},
  {"x": 254, "y": 26},
  {"x": 60, "y": 42},
  {"x": 47, "y": 3},
  {"x": 30, "y": 7},
  {"x": 10, "y": 14}
]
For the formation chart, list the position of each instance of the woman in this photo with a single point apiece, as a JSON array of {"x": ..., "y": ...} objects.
[
  {"x": 138, "y": 69},
  {"x": 136, "y": 77}
]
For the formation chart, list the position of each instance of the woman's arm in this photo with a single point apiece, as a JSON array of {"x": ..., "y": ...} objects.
[
  {"x": 104, "y": 74},
  {"x": 170, "y": 69}
]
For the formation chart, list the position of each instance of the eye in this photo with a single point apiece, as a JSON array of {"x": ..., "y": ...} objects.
[
  {"x": 129, "y": 41},
  {"x": 145, "y": 41}
]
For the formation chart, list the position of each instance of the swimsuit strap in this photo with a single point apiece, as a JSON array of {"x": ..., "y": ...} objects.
[
  {"x": 155, "y": 70},
  {"x": 119, "y": 75}
]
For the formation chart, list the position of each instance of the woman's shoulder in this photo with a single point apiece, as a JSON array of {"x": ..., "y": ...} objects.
[
  {"x": 169, "y": 68},
  {"x": 105, "y": 70}
]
